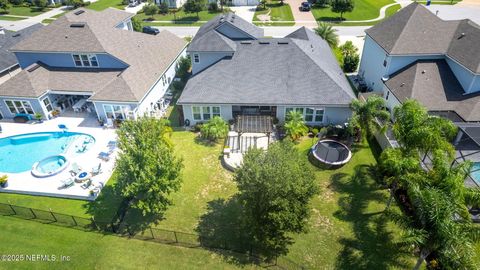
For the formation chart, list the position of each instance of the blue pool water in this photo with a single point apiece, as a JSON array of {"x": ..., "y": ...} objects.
[
  {"x": 18, "y": 153},
  {"x": 475, "y": 172}
]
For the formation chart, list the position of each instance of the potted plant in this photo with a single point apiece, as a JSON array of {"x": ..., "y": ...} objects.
[
  {"x": 38, "y": 117},
  {"x": 92, "y": 193},
  {"x": 101, "y": 122},
  {"x": 3, "y": 181}
]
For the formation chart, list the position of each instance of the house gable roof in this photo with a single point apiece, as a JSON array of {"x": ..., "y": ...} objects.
[
  {"x": 273, "y": 71},
  {"x": 416, "y": 30},
  {"x": 147, "y": 56},
  {"x": 8, "y": 40},
  {"x": 209, "y": 39},
  {"x": 433, "y": 84}
]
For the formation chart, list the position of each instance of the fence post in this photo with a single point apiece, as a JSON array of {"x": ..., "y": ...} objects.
[
  {"x": 51, "y": 213},
  {"x": 76, "y": 224},
  {"x": 151, "y": 231},
  {"x": 33, "y": 213},
  {"x": 11, "y": 207},
  {"x": 175, "y": 234}
]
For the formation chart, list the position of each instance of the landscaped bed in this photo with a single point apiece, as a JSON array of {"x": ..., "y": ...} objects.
[{"x": 347, "y": 227}]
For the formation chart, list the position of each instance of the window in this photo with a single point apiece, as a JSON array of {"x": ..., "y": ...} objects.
[
  {"x": 196, "y": 58},
  {"x": 205, "y": 113},
  {"x": 19, "y": 106},
  {"x": 116, "y": 111},
  {"x": 388, "y": 94},
  {"x": 309, "y": 114},
  {"x": 196, "y": 113},
  {"x": 48, "y": 105},
  {"x": 85, "y": 60}
]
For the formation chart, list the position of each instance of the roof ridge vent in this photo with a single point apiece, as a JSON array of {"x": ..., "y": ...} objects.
[
  {"x": 79, "y": 12},
  {"x": 245, "y": 42},
  {"x": 282, "y": 42},
  {"x": 77, "y": 25},
  {"x": 33, "y": 67},
  {"x": 264, "y": 42},
  {"x": 16, "y": 34},
  {"x": 462, "y": 35}
]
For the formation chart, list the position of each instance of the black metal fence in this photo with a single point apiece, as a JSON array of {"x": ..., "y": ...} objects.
[{"x": 116, "y": 227}]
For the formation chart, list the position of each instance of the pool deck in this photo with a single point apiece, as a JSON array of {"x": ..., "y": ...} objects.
[{"x": 26, "y": 183}]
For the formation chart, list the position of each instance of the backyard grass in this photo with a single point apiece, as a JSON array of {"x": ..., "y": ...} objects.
[
  {"x": 104, "y": 4},
  {"x": 89, "y": 250},
  {"x": 25, "y": 11},
  {"x": 364, "y": 10},
  {"x": 276, "y": 11},
  {"x": 347, "y": 228},
  {"x": 10, "y": 18},
  {"x": 180, "y": 17}
]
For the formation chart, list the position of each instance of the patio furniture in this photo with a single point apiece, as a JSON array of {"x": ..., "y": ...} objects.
[
  {"x": 104, "y": 156},
  {"x": 62, "y": 126},
  {"x": 87, "y": 184},
  {"x": 82, "y": 177},
  {"x": 97, "y": 170},
  {"x": 75, "y": 169},
  {"x": 77, "y": 107},
  {"x": 66, "y": 183},
  {"x": 21, "y": 118},
  {"x": 109, "y": 123}
]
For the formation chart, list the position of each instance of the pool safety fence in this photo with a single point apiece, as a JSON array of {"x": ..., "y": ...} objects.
[{"x": 244, "y": 251}]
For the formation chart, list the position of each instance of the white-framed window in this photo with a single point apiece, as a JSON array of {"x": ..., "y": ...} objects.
[
  {"x": 116, "y": 111},
  {"x": 19, "y": 106},
  {"x": 48, "y": 104},
  {"x": 85, "y": 60},
  {"x": 205, "y": 113},
  {"x": 310, "y": 115},
  {"x": 196, "y": 58}
]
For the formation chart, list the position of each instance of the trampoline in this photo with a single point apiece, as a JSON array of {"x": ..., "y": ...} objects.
[{"x": 331, "y": 153}]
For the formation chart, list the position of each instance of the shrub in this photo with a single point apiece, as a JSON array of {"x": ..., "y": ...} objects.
[
  {"x": 213, "y": 7},
  {"x": 136, "y": 24},
  {"x": 214, "y": 129},
  {"x": 5, "y": 5},
  {"x": 16, "y": 2},
  {"x": 322, "y": 3},
  {"x": 150, "y": 10},
  {"x": 295, "y": 125},
  {"x": 75, "y": 3},
  {"x": 40, "y": 4},
  {"x": 350, "y": 63},
  {"x": 163, "y": 8}
]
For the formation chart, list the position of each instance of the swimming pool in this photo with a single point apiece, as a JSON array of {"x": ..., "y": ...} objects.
[
  {"x": 18, "y": 153},
  {"x": 475, "y": 172}
]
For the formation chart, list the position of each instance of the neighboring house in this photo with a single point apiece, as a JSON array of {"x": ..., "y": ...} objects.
[
  {"x": 8, "y": 62},
  {"x": 415, "y": 54},
  {"x": 238, "y": 72},
  {"x": 92, "y": 61}
]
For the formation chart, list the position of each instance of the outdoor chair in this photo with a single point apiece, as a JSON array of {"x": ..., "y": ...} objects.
[
  {"x": 97, "y": 170},
  {"x": 86, "y": 184},
  {"x": 66, "y": 183},
  {"x": 104, "y": 156},
  {"x": 75, "y": 169},
  {"x": 109, "y": 123}
]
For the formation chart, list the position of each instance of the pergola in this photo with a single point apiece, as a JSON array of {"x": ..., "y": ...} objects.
[{"x": 254, "y": 124}]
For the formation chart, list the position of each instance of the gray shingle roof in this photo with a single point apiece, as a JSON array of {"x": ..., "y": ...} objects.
[
  {"x": 147, "y": 56},
  {"x": 284, "y": 71},
  {"x": 416, "y": 30},
  {"x": 208, "y": 39},
  {"x": 433, "y": 84},
  {"x": 8, "y": 40}
]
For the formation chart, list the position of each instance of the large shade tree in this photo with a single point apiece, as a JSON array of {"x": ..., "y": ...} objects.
[
  {"x": 275, "y": 188},
  {"x": 148, "y": 170},
  {"x": 342, "y": 6}
]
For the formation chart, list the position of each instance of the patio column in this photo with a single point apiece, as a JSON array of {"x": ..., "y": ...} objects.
[{"x": 458, "y": 138}]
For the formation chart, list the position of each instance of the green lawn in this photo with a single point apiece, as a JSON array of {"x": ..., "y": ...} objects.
[
  {"x": 10, "y": 18},
  {"x": 47, "y": 21},
  {"x": 180, "y": 17},
  {"x": 364, "y": 10},
  {"x": 347, "y": 228},
  {"x": 25, "y": 11},
  {"x": 89, "y": 250},
  {"x": 104, "y": 4},
  {"x": 389, "y": 12},
  {"x": 277, "y": 12},
  {"x": 441, "y": 2}
]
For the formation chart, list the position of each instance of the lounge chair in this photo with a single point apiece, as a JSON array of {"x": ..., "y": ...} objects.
[
  {"x": 87, "y": 184},
  {"x": 109, "y": 123},
  {"x": 104, "y": 156},
  {"x": 75, "y": 169},
  {"x": 66, "y": 183},
  {"x": 97, "y": 170}
]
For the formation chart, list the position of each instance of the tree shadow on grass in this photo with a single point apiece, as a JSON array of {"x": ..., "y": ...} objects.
[
  {"x": 201, "y": 141},
  {"x": 372, "y": 246},
  {"x": 222, "y": 227},
  {"x": 106, "y": 206}
]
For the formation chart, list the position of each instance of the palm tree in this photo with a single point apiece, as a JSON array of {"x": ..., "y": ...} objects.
[
  {"x": 295, "y": 125},
  {"x": 368, "y": 115},
  {"x": 214, "y": 129},
  {"x": 326, "y": 31}
]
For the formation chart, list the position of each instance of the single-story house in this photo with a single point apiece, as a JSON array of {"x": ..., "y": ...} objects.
[
  {"x": 236, "y": 71},
  {"x": 91, "y": 61}
]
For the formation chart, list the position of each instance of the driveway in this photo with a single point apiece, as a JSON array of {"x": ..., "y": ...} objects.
[
  {"x": 244, "y": 12},
  {"x": 136, "y": 9},
  {"x": 302, "y": 18}
]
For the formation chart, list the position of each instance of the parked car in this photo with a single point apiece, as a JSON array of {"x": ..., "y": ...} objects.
[
  {"x": 150, "y": 30},
  {"x": 305, "y": 6},
  {"x": 133, "y": 3}
]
